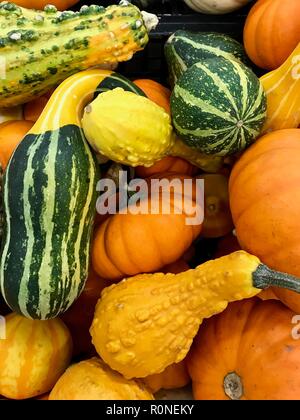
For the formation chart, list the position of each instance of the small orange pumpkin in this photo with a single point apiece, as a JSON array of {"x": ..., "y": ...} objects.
[
  {"x": 247, "y": 353},
  {"x": 129, "y": 244},
  {"x": 272, "y": 32},
  {"x": 217, "y": 215},
  {"x": 174, "y": 376},
  {"x": 156, "y": 92},
  {"x": 40, "y": 4},
  {"x": 11, "y": 133},
  {"x": 265, "y": 204},
  {"x": 167, "y": 164}
]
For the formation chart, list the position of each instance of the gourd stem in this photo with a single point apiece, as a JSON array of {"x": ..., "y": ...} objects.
[{"x": 264, "y": 277}]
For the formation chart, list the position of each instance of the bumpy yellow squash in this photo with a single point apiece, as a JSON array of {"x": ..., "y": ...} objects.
[{"x": 148, "y": 322}]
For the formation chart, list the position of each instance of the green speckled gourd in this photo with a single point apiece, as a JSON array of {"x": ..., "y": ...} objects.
[
  {"x": 50, "y": 202},
  {"x": 39, "y": 49},
  {"x": 185, "y": 48},
  {"x": 218, "y": 106}
]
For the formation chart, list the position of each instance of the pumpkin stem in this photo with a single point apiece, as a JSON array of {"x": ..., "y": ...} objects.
[
  {"x": 233, "y": 386},
  {"x": 264, "y": 277}
]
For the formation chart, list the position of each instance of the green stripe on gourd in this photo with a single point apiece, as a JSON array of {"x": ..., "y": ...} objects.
[
  {"x": 218, "y": 106},
  {"x": 184, "y": 48}
]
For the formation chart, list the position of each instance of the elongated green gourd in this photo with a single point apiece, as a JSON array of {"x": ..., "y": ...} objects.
[
  {"x": 49, "y": 203},
  {"x": 39, "y": 49}
]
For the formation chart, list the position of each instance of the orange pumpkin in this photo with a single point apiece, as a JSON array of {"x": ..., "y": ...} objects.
[
  {"x": 174, "y": 376},
  {"x": 40, "y": 4},
  {"x": 11, "y": 133},
  {"x": 167, "y": 164},
  {"x": 248, "y": 353},
  {"x": 265, "y": 204},
  {"x": 129, "y": 244},
  {"x": 217, "y": 215},
  {"x": 79, "y": 316},
  {"x": 272, "y": 32},
  {"x": 156, "y": 92},
  {"x": 34, "y": 108}
]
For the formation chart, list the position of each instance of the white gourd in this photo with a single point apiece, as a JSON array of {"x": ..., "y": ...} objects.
[{"x": 216, "y": 7}]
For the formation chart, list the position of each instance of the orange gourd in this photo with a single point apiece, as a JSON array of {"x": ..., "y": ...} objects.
[
  {"x": 79, "y": 316},
  {"x": 174, "y": 376},
  {"x": 247, "y": 352},
  {"x": 265, "y": 204},
  {"x": 33, "y": 356},
  {"x": 167, "y": 164},
  {"x": 40, "y": 4},
  {"x": 129, "y": 244},
  {"x": 217, "y": 217},
  {"x": 156, "y": 92},
  {"x": 11, "y": 133},
  {"x": 272, "y": 32}
]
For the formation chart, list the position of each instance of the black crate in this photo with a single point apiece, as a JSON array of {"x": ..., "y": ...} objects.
[{"x": 174, "y": 15}]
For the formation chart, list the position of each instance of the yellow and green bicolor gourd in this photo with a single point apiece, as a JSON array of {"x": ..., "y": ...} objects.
[
  {"x": 40, "y": 49},
  {"x": 50, "y": 201}
]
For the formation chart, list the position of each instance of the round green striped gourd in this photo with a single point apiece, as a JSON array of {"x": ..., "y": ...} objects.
[
  {"x": 50, "y": 202},
  {"x": 185, "y": 48},
  {"x": 218, "y": 106}
]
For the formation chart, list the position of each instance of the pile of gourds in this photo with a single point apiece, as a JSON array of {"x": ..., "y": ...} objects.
[{"x": 128, "y": 295}]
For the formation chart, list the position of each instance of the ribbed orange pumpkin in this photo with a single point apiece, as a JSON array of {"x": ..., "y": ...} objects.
[
  {"x": 175, "y": 376},
  {"x": 247, "y": 352},
  {"x": 11, "y": 133},
  {"x": 272, "y": 32},
  {"x": 78, "y": 318},
  {"x": 40, "y": 4},
  {"x": 156, "y": 92},
  {"x": 265, "y": 204},
  {"x": 167, "y": 164},
  {"x": 129, "y": 244},
  {"x": 33, "y": 356}
]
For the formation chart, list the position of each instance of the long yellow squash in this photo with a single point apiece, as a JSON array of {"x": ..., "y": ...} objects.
[
  {"x": 148, "y": 322},
  {"x": 282, "y": 87}
]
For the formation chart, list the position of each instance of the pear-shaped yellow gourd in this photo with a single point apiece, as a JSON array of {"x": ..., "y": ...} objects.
[
  {"x": 148, "y": 322},
  {"x": 132, "y": 130}
]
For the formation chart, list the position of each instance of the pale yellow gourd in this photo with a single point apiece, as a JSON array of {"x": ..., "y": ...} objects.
[
  {"x": 93, "y": 380},
  {"x": 282, "y": 87},
  {"x": 216, "y": 7},
  {"x": 148, "y": 322},
  {"x": 132, "y": 130}
]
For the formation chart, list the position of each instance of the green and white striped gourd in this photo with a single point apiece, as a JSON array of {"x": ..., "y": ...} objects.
[
  {"x": 185, "y": 48},
  {"x": 218, "y": 106},
  {"x": 50, "y": 202}
]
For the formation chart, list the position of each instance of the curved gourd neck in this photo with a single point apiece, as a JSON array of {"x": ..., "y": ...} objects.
[{"x": 66, "y": 104}]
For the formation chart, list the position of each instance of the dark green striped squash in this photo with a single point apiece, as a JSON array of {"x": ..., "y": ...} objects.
[
  {"x": 49, "y": 203},
  {"x": 218, "y": 106},
  {"x": 185, "y": 48},
  {"x": 40, "y": 49}
]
